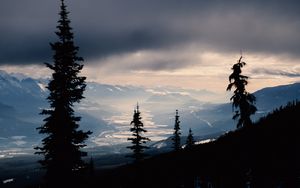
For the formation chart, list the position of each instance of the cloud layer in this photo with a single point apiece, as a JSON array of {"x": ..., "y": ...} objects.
[
  {"x": 114, "y": 28},
  {"x": 274, "y": 72}
]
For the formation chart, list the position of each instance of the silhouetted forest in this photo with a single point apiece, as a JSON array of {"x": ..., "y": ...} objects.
[
  {"x": 260, "y": 154},
  {"x": 263, "y": 155}
]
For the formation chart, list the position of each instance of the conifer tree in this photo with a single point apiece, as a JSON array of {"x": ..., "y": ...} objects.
[
  {"x": 177, "y": 133},
  {"x": 137, "y": 140},
  {"x": 61, "y": 147},
  {"x": 242, "y": 101},
  {"x": 190, "y": 142}
]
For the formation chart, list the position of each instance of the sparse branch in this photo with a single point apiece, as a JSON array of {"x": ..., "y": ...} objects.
[{"x": 242, "y": 101}]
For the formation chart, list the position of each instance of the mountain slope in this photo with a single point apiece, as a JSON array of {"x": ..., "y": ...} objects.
[
  {"x": 21, "y": 101},
  {"x": 263, "y": 155},
  {"x": 22, "y": 98},
  {"x": 274, "y": 97},
  {"x": 220, "y": 116}
]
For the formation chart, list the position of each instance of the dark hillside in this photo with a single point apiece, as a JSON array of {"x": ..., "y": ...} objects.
[{"x": 263, "y": 155}]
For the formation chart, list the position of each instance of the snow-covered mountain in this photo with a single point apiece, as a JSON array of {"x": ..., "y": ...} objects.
[
  {"x": 21, "y": 101},
  {"x": 271, "y": 97},
  {"x": 267, "y": 99},
  {"x": 107, "y": 110}
]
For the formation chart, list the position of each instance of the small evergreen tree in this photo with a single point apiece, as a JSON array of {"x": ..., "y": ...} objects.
[
  {"x": 190, "y": 142},
  {"x": 242, "y": 100},
  {"x": 61, "y": 148},
  {"x": 177, "y": 133},
  {"x": 137, "y": 140}
]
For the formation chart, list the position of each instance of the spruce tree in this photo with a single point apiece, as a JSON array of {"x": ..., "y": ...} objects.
[
  {"x": 137, "y": 140},
  {"x": 61, "y": 147},
  {"x": 177, "y": 133},
  {"x": 190, "y": 142},
  {"x": 242, "y": 101}
]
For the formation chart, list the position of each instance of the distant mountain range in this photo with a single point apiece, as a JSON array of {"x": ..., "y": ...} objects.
[
  {"x": 108, "y": 109},
  {"x": 219, "y": 117}
]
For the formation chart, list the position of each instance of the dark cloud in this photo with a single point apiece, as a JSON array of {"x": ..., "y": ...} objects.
[
  {"x": 274, "y": 72},
  {"x": 103, "y": 45},
  {"x": 26, "y": 49},
  {"x": 106, "y": 27}
]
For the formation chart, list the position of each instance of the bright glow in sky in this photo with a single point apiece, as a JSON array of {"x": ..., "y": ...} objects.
[
  {"x": 189, "y": 44},
  {"x": 210, "y": 73}
]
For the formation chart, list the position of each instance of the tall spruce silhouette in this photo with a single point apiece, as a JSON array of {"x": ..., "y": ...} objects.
[
  {"x": 61, "y": 147},
  {"x": 242, "y": 101},
  {"x": 138, "y": 140},
  {"x": 177, "y": 133},
  {"x": 190, "y": 142}
]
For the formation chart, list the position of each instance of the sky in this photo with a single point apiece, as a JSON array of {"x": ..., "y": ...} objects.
[{"x": 189, "y": 44}]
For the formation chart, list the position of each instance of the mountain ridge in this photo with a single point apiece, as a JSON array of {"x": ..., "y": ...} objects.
[{"x": 22, "y": 98}]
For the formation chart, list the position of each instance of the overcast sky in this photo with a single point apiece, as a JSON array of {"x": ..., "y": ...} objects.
[{"x": 184, "y": 43}]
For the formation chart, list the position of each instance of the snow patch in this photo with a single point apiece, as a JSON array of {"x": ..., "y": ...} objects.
[
  {"x": 109, "y": 89},
  {"x": 160, "y": 145},
  {"x": 8, "y": 180},
  {"x": 19, "y": 142},
  {"x": 43, "y": 87},
  {"x": 118, "y": 88},
  {"x": 204, "y": 141}
]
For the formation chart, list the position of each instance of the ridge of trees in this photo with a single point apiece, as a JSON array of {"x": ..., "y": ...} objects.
[{"x": 263, "y": 155}]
